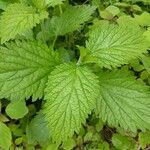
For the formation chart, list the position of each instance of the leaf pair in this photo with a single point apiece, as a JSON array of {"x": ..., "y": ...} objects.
[{"x": 74, "y": 91}]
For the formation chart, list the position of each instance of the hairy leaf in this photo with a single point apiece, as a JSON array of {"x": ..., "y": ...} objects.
[
  {"x": 70, "y": 20},
  {"x": 24, "y": 69},
  {"x": 123, "y": 101},
  {"x": 17, "y": 19},
  {"x": 70, "y": 96},
  {"x": 113, "y": 45}
]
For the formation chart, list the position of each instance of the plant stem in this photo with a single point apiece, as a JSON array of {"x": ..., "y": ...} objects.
[
  {"x": 60, "y": 9},
  {"x": 54, "y": 42}
]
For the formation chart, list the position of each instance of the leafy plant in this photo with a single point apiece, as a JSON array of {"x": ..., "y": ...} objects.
[{"x": 71, "y": 70}]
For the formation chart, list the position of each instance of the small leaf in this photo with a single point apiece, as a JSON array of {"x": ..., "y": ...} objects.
[
  {"x": 103, "y": 146},
  {"x": 17, "y": 109},
  {"x": 69, "y": 144},
  {"x": 143, "y": 19},
  {"x": 146, "y": 62},
  {"x": 147, "y": 34},
  {"x": 123, "y": 142},
  {"x": 5, "y": 136},
  {"x": 113, "y": 10},
  {"x": 144, "y": 139}
]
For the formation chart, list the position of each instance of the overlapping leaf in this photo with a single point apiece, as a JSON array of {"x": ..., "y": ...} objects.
[
  {"x": 37, "y": 130},
  {"x": 24, "y": 68},
  {"x": 112, "y": 45},
  {"x": 123, "y": 101},
  {"x": 70, "y": 95},
  {"x": 17, "y": 19},
  {"x": 70, "y": 20}
]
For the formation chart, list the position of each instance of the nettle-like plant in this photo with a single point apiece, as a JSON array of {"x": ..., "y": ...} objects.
[{"x": 53, "y": 52}]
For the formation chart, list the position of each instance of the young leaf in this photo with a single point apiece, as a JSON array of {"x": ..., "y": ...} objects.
[
  {"x": 144, "y": 139},
  {"x": 143, "y": 19},
  {"x": 113, "y": 45},
  {"x": 70, "y": 96},
  {"x": 16, "y": 22},
  {"x": 5, "y": 136},
  {"x": 70, "y": 20},
  {"x": 146, "y": 63},
  {"x": 24, "y": 69},
  {"x": 17, "y": 109},
  {"x": 123, "y": 101},
  {"x": 123, "y": 142}
]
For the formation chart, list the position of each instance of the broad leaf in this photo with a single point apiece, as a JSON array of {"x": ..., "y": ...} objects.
[
  {"x": 113, "y": 45},
  {"x": 17, "y": 19},
  {"x": 123, "y": 101},
  {"x": 24, "y": 69},
  {"x": 70, "y": 96},
  {"x": 17, "y": 109},
  {"x": 5, "y": 136},
  {"x": 70, "y": 20}
]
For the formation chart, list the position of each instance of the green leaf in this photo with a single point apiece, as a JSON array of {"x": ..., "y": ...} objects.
[
  {"x": 146, "y": 62},
  {"x": 113, "y": 10},
  {"x": 37, "y": 131},
  {"x": 144, "y": 139},
  {"x": 70, "y": 96},
  {"x": 144, "y": 1},
  {"x": 69, "y": 144},
  {"x": 15, "y": 22},
  {"x": 5, "y": 134},
  {"x": 54, "y": 2},
  {"x": 52, "y": 146},
  {"x": 3, "y": 5},
  {"x": 17, "y": 109},
  {"x": 70, "y": 20},
  {"x": 40, "y": 4},
  {"x": 112, "y": 45},
  {"x": 123, "y": 142},
  {"x": 123, "y": 101},
  {"x": 143, "y": 19},
  {"x": 147, "y": 34},
  {"x": 24, "y": 69},
  {"x": 103, "y": 146}
]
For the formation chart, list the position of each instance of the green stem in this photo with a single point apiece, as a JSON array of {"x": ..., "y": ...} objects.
[
  {"x": 60, "y": 9},
  {"x": 54, "y": 42}
]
